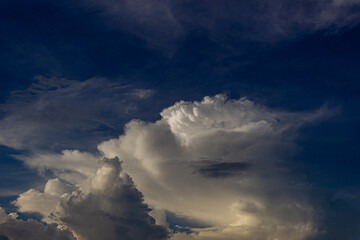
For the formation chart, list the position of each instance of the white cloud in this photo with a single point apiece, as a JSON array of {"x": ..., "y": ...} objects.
[
  {"x": 216, "y": 163},
  {"x": 112, "y": 208},
  {"x": 44, "y": 202},
  {"x": 70, "y": 165}
]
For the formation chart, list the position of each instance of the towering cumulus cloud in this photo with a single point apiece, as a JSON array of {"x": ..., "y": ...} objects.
[
  {"x": 213, "y": 169},
  {"x": 220, "y": 163},
  {"x": 111, "y": 209}
]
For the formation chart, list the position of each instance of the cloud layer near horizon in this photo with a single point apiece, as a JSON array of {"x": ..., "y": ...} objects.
[{"x": 218, "y": 166}]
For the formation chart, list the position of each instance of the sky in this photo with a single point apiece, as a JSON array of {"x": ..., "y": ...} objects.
[{"x": 180, "y": 120}]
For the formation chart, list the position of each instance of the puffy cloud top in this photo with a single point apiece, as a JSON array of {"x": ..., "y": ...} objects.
[
  {"x": 189, "y": 119},
  {"x": 113, "y": 209},
  {"x": 216, "y": 163}
]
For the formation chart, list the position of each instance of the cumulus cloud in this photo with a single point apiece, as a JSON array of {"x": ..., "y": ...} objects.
[
  {"x": 54, "y": 111},
  {"x": 112, "y": 208},
  {"x": 43, "y": 202},
  {"x": 218, "y": 162},
  {"x": 209, "y": 169},
  {"x": 14, "y": 229}
]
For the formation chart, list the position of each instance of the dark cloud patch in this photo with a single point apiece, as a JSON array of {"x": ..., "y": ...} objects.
[
  {"x": 14, "y": 229},
  {"x": 32, "y": 230},
  {"x": 223, "y": 169},
  {"x": 183, "y": 224}
]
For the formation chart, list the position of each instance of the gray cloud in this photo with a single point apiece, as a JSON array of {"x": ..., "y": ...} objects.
[
  {"x": 222, "y": 169},
  {"x": 14, "y": 229},
  {"x": 151, "y": 20},
  {"x": 113, "y": 209},
  {"x": 110, "y": 208},
  {"x": 164, "y": 23},
  {"x": 339, "y": 220},
  {"x": 53, "y": 111}
]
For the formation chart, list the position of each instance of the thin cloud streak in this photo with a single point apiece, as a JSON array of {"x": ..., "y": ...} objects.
[
  {"x": 54, "y": 110},
  {"x": 163, "y": 24}
]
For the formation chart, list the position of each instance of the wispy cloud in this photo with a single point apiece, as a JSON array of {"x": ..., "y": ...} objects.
[
  {"x": 165, "y": 23},
  {"x": 52, "y": 111}
]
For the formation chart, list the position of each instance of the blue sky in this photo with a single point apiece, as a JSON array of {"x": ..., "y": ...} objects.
[{"x": 75, "y": 74}]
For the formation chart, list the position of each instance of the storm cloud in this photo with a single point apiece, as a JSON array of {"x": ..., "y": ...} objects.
[{"x": 215, "y": 166}]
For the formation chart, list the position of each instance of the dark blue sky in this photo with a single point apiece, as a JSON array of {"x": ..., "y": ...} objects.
[{"x": 288, "y": 55}]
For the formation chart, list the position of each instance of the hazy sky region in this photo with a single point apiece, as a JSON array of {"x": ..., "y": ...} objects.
[{"x": 180, "y": 120}]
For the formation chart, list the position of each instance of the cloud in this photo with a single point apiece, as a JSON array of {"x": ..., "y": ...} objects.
[
  {"x": 277, "y": 19},
  {"x": 223, "y": 169},
  {"x": 53, "y": 111},
  {"x": 112, "y": 208},
  {"x": 163, "y": 24},
  {"x": 151, "y": 20},
  {"x": 209, "y": 168},
  {"x": 72, "y": 166},
  {"x": 340, "y": 219},
  {"x": 177, "y": 163},
  {"x": 43, "y": 202},
  {"x": 14, "y": 229}
]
